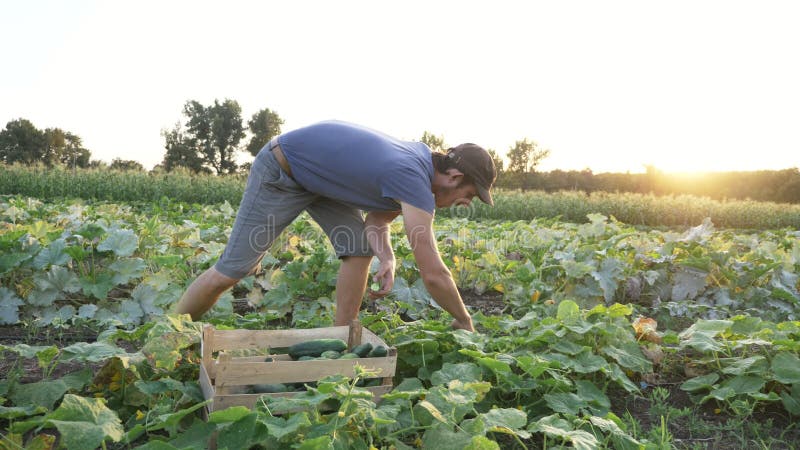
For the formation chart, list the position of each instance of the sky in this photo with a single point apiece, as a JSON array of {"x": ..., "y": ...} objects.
[{"x": 610, "y": 86}]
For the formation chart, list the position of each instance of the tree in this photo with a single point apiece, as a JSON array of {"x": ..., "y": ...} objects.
[
  {"x": 209, "y": 139},
  {"x": 181, "y": 151},
  {"x": 436, "y": 143},
  {"x": 126, "y": 165},
  {"x": 216, "y": 130},
  {"x": 63, "y": 147},
  {"x": 264, "y": 125},
  {"x": 525, "y": 156},
  {"x": 22, "y": 142},
  {"x": 498, "y": 160}
]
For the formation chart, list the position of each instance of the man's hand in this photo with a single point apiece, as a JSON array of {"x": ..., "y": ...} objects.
[
  {"x": 384, "y": 278},
  {"x": 459, "y": 325},
  {"x": 377, "y": 229}
]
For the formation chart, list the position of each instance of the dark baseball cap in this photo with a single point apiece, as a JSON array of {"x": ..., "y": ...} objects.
[{"x": 475, "y": 161}]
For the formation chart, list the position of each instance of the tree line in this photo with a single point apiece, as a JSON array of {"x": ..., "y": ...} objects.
[
  {"x": 21, "y": 142},
  {"x": 209, "y": 137}
]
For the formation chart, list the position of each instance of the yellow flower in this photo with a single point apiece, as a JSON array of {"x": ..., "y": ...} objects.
[
  {"x": 139, "y": 414},
  {"x": 535, "y": 296}
]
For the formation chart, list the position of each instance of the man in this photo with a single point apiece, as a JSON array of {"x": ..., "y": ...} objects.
[{"x": 335, "y": 170}]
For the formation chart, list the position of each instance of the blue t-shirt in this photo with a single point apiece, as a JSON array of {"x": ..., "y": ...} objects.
[{"x": 360, "y": 167}]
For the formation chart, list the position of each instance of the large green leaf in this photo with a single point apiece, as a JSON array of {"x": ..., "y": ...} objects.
[
  {"x": 317, "y": 443},
  {"x": 506, "y": 420},
  {"x": 482, "y": 443},
  {"x": 280, "y": 427},
  {"x": 463, "y": 371},
  {"x": 741, "y": 366},
  {"x": 442, "y": 437},
  {"x": 615, "y": 373},
  {"x": 92, "y": 352},
  {"x": 238, "y": 434},
  {"x": 688, "y": 283},
  {"x": 11, "y": 260},
  {"x": 9, "y": 306},
  {"x": 53, "y": 255},
  {"x": 16, "y": 412},
  {"x": 57, "y": 280},
  {"x": 122, "y": 242},
  {"x": 611, "y": 425},
  {"x": 565, "y": 403},
  {"x": 196, "y": 436},
  {"x": 587, "y": 362},
  {"x": 84, "y": 423},
  {"x": 500, "y": 368},
  {"x": 47, "y": 393},
  {"x": 568, "y": 311},
  {"x": 147, "y": 298},
  {"x": 791, "y": 401},
  {"x": 130, "y": 312},
  {"x": 630, "y": 356},
  {"x": 786, "y": 368},
  {"x": 597, "y": 400},
  {"x": 126, "y": 269},
  {"x": 559, "y": 428},
  {"x": 745, "y": 384},
  {"x": 701, "y": 383},
  {"x": 97, "y": 286},
  {"x": 609, "y": 274}
]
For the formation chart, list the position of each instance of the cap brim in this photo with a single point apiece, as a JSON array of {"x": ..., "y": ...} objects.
[{"x": 484, "y": 195}]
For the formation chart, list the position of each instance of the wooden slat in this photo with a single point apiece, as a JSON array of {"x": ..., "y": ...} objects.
[
  {"x": 354, "y": 336},
  {"x": 205, "y": 384},
  {"x": 206, "y": 343},
  {"x": 372, "y": 338},
  {"x": 262, "y": 339},
  {"x": 250, "y": 400},
  {"x": 262, "y": 358},
  {"x": 241, "y": 373}
]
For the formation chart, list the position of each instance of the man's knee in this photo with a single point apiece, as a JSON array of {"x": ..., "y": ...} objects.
[{"x": 219, "y": 281}]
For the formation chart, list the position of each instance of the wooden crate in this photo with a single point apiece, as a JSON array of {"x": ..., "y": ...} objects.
[{"x": 224, "y": 378}]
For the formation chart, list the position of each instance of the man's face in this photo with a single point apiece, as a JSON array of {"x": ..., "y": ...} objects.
[{"x": 455, "y": 196}]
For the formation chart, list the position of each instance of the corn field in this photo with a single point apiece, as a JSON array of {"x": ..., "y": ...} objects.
[{"x": 572, "y": 206}]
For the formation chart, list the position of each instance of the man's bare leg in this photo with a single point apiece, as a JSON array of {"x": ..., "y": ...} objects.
[
  {"x": 203, "y": 293},
  {"x": 350, "y": 287}
]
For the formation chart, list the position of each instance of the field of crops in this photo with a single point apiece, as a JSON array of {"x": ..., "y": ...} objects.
[
  {"x": 590, "y": 335},
  {"x": 634, "y": 209}
]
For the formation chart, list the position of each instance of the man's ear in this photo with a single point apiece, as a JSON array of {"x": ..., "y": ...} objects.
[{"x": 454, "y": 176}]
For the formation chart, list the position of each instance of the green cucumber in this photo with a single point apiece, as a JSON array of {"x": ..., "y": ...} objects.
[
  {"x": 316, "y": 347},
  {"x": 269, "y": 388},
  {"x": 330, "y": 354},
  {"x": 362, "y": 350},
  {"x": 378, "y": 352}
]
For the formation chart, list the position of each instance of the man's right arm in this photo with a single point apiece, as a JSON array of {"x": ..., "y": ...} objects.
[{"x": 435, "y": 274}]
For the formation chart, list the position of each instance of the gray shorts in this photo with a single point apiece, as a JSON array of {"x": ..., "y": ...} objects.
[{"x": 271, "y": 201}]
